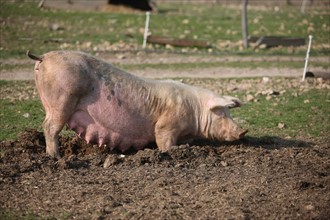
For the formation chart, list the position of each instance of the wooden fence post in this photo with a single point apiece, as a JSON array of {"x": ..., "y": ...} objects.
[{"x": 244, "y": 24}]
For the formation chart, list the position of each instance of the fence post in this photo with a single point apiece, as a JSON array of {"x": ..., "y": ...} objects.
[
  {"x": 307, "y": 56},
  {"x": 244, "y": 24},
  {"x": 146, "y": 30}
]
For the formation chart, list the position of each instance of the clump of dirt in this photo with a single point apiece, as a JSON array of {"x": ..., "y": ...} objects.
[{"x": 258, "y": 177}]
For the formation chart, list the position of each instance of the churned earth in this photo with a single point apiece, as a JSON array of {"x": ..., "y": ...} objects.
[
  {"x": 255, "y": 178},
  {"x": 267, "y": 177}
]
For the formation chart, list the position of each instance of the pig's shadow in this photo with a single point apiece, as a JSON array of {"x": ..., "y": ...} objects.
[{"x": 267, "y": 142}]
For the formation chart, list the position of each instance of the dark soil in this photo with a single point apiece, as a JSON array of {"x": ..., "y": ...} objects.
[{"x": 256, "y": 178}]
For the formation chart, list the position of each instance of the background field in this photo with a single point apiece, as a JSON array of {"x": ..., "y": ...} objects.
[{"x": 24, "y": 27}]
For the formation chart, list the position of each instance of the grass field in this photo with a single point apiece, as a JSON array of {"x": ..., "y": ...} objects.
[{"x": 24, "y": 26}]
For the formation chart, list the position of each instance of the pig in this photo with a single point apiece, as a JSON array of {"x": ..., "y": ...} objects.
[{"x": 110, "y": 107}]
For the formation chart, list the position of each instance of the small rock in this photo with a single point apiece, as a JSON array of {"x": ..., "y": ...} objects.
[
  {"x": 48, "y": 202},
  {"x": 309, "y": 207},
  {"x": 282, "y": 91},
  {"x": 249, "y": 98},
  {"x": 56, "y": 27},
  {"x": 26, "y": 115},
  {"x": 185, "y": 21},
  {"x": 306, "y": 101},
  {"x": 268, "y": 97},
  {"x": 224, "y": 163},
  {"x": 265, "y": 79},
  {"x": 179, "y": 165},
  {"x": 295, "y": 94},
  {"x": 274, "y": 92},
  {"x": 110, "y": 160},
  {"x": 87, "y": 44},
  {"x": 121, "y": 56},
  {"x": 270, "y": 92},
  {"x": 281, "y": 125},
  {"x": 168, "y": 46},
  {"x": 320, "y": 80}
]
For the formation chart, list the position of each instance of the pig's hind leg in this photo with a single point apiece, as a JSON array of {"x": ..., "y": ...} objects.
[
  {"x": 57, "y": 115},
  {"x": 51, "y": 131}
]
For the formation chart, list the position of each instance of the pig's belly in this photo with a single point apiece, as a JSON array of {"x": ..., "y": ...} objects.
[{"x": 115, "y": 131}]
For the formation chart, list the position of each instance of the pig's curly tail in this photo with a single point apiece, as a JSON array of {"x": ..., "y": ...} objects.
[{"x": 33, "y": 57}]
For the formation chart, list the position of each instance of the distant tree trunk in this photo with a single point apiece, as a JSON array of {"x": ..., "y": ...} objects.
[{"x": 244, "y": 24}]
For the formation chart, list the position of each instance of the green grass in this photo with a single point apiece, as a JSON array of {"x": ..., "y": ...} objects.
[
  {"x": 12, "y": 120},
  {"x": 309, "y": 119},
  {"x": 26, "y": 27},
  {"x": 301, "y": 118}
]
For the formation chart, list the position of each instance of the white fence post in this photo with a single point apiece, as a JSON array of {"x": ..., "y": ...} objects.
[
  {"x": 307, "y": 56},
  {"x": 146, "y": 30}
]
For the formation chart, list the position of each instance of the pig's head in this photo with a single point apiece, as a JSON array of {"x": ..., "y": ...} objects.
[{"x": 220, "y": 124}]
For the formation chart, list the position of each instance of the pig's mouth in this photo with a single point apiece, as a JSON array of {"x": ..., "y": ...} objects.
[{"x": 237, "y": 135}]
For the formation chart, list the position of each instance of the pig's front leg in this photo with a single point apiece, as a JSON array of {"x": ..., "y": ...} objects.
[{"x": 166, "y": 136}]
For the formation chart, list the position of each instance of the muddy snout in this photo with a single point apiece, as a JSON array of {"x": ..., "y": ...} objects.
[
  {"x": 236, "y": 134},
  {"x": 242, "y": 133}
]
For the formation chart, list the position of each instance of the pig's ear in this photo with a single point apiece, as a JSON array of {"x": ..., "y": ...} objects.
[
  {"x": 225, "y": 101},
  {"x": 233, "y": 102}
]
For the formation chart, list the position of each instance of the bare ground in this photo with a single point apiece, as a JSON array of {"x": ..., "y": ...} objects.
[{"x": 257, "y": 178}]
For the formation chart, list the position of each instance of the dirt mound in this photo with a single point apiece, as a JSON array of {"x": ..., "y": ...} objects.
[{"x": 265, "y": 177}]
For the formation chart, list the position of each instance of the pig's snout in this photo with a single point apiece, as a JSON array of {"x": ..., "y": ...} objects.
[
  {"x": 236, "y": 134},
  {"x": 242, "y": 133}
]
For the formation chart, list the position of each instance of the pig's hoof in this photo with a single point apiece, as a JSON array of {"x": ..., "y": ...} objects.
[
  {"x": 164, "y": 150},
  {"x": 55, "y": 155}
]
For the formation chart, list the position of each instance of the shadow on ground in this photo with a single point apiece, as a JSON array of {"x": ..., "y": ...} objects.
[{"x": 267, "y": 142}]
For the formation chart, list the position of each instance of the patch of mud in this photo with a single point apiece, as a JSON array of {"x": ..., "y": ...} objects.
[{"x": 256, "y": 178}]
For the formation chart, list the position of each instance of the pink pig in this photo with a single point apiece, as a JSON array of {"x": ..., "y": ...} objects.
[{"x": 108, "y": 106}]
